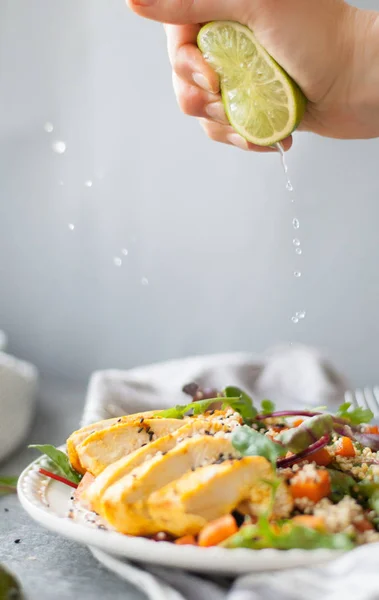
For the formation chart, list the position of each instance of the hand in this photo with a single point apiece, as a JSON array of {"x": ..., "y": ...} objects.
[{"x": 327, "y": 46}]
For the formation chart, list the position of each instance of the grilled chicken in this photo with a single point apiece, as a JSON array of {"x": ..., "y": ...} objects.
[
  {"x": 124, "y": 504},
  {"x": 106, "y": 446},
  {"x": 125, "y": 465},
  {"x": 80, "y": 435},
  {"x": 185, "y": 505}
]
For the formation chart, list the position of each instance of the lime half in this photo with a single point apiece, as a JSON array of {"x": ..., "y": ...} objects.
[{"x": 261, "y": 101}]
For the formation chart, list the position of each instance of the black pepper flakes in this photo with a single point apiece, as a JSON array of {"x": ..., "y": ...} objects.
[
  {"x": 151, "y": 435},
  {"x": 119, "y": 420},
  {"x": 6, "y": 509},
  {"x": 140, "y": 430},
  {"x": 141, "y": 420},
  {"x": 17, "y": 541}
]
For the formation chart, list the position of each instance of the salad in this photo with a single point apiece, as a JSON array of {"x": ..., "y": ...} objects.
[{"x": 221, "y": 471}]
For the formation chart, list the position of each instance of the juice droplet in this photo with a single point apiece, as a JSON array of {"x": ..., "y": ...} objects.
[
  {"x": 71, "y": 226},
  {"x": 294, "y": 320},
  {"x": 289, "y": 186},
  {"x": 301, "y": 314},
  {"x": 88, "y": 183},
  {"x": 298, "y": 251},
  {"x": 296, "y": 242},
  {"x": 125, "y": 252},
  {"x": 296, "y": 223},
  {"x": 59, "y": 147},
  {"x": 117, "y": 261},
  {"x": 297, "y": 274},
  {"x": 144, "y": 281},
  {"x": 48, "y": 127}
]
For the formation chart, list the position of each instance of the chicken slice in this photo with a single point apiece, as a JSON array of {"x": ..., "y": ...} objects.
[
  {"x": 104, "y": 447},
  {"x": 184, "y": 506},
  {"x": 124, "y": 503},
  {"x": 80, "y": 435},
  {"x": 125, "y": 465}
]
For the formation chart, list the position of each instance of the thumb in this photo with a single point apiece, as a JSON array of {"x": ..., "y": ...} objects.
[{"x": 191, "y": 11}]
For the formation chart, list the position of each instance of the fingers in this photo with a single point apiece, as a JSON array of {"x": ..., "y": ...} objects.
[
  {"x": 196, "y": 102},
  {"x": 190, "y": 11},
  {"x": 227, "y": 135},
  {"x": 187, "y": 60}
]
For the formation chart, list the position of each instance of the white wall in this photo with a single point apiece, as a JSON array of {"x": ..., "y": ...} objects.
[{"x": 209, "y": 226}]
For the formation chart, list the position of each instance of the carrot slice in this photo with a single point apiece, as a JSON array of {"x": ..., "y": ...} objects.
[
  {"x": 344, "y": 447},
  {"x": 372, "y": 429},
  {"x": 298, "y": 422},
  {"x": 313, "y": 488},
  {"x": 321, "y": 457},
  {"x": 186, "y": 540},
  {"x": 217, "y": 531},
  {"x": 310, "y": 521}
]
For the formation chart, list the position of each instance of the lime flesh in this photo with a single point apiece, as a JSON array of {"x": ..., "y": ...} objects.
[{"x": 261, "y": 101}]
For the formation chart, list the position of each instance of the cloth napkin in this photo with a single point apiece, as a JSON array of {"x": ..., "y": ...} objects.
[
  {"x": 18, "y": 385},
  {"x": 292, "y": 376}
]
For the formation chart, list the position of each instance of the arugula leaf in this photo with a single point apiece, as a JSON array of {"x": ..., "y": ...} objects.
[
  {"x": 267, "y": 407},
  {"x": 9, "y": 586},
  {"x": 370, "y": 492},
  {"x": 300, "y": 438},
  {"x": 237, "y": 399},
  {"x": 357, "y": 416},
  {"x": 286, "y": 536},
  {"x": 8, "y": 485},
  {"x": 341, "y": 484},
  {"x": 60, "y": 460},
  {"x": 251, "y": 443}
]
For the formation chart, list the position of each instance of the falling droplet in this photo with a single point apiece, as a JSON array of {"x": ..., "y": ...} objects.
[
  {"x": 298, "y": 251},
  {"x": 48, "y": 127},
  {"x": 295, "y": 320},
  {"x": 125, "y": 252},
  {"x": 88, "y": 183},
  {"x": 297, "y": 274},
  {"x": 289, "y": 186},
  {"x": 71, "y": 226},
  {"x": 117, "y": 261},
  {"x": 144, "y": 281},
  {"x": 296, "y": 223},
  {"x": 296, "y": 242},
  {"x": 59, "y": 147}
]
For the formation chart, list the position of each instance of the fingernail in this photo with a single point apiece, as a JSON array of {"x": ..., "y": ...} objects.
[
  {"x": 237, "y": 140},
  {"x": 143, "y": 2},
  {"x": 202, "y": 81},
  {"x": 215, "y": 110}
]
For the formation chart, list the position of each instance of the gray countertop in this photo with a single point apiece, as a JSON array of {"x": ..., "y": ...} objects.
[{"x": 49, "y": 566}]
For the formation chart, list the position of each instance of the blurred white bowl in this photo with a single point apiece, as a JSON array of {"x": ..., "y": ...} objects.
[{"x": 18, "y": 386}]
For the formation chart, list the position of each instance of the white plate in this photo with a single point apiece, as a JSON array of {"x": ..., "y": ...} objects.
[{"x": 47, "y": 502}]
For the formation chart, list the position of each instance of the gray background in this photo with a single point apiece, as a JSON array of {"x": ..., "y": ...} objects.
[{"x": 208, "y": 226}]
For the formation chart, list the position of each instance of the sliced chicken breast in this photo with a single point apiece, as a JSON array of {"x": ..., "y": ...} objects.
[
  {"x": 104, "y": 447},
  {"x": 184, "y": 506},
  {"x": 124, "y": 503},
  {"x": 80, "y": 435},
  {"x": 125, "y": 465}
]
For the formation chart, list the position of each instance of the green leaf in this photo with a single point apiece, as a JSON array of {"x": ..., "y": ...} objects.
[
  {"x": 369, "y": 490},
  {"x": 300, "y": 438},
  {"x": 267, "y": 407},
  {"x": 249, "y": 442},
  {"x": 179, "y": 411},
  {"x": 289, "y": 536},
  {"x": 237, "y": 399},
  {"x": 357, "y": 416},
  {"x": 60, "y": 460},
  {"x": 240, "y": 402},
  {"x": 9, "y": 587},
  {"x": 341, "y": 484},
  {"x": 8, "y": 485}
]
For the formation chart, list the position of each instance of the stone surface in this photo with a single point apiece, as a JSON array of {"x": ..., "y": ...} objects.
[{"x": 48, "y": 566}]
